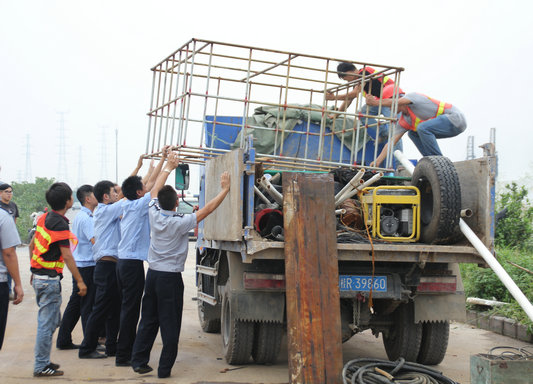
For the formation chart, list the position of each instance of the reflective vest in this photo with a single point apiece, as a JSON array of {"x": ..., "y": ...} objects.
[
  {"x": 441, "y": 107},
  {"x": 43, "y": 238}
]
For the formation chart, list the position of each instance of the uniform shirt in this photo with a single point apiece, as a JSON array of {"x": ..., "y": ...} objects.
[
  {"x": 170, "y": 238},
  {"x": 135, "y": 229},
  {"x": 55, "y": 222},
  {"x": 9, "y": 237},
  {"x": 10, "y": 208},
  {"x": 425, "y": 109},
  {"x": 107, "y": 229},
  {"x": 83, "y": 228}
]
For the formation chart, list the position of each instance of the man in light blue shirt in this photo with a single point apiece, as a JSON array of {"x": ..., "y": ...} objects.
[
  {"x": 9, "y": 239},
  {"x": 106, "y": 308},
  {"x": 132, "y": 252},
  {"x": 83, "y": 228},
  {"x": 162, "y": 304}
]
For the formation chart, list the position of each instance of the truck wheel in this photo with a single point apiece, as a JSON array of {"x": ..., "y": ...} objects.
[
  {"x": 440, "y": 199},
  {"x": 404, "y": 336},
  {"x": 237, "y": 335},
  {"x": 267, "y": 342},
  {"x": 208, "y": 324},
  {"x": 434, "y": 342}
]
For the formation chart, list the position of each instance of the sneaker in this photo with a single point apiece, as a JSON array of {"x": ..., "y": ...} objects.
[
  {"x": 54, "y": 366},
  {"x": 48, "y": 371},
  {"x": 143, "y": 369}
]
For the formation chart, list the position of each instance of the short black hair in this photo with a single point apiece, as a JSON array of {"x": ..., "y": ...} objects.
[
  {"x": 101, "y": 188},
  {"x": 167, "y": 197},
  {"x": 83, "y": 192},
  {"x": 344, "y": 67},
  {"x": 5, "y": 186},
  {"x": 130, "y": 186},
  {"x": 57, "y": 195}
]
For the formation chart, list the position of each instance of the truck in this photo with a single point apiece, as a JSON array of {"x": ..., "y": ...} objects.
[{"x": 260, "y": 113}]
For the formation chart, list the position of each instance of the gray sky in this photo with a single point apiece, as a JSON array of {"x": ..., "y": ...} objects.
[{"x": 92, "y": 61}]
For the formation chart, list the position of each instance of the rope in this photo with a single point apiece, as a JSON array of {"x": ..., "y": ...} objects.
[{"x": 376, "y": 371}]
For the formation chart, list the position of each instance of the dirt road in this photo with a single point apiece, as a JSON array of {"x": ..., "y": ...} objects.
[{"x": 199, "y": 359}]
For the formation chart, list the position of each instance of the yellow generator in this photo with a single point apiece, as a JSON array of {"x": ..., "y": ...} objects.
[{"x": 393, "y": 212}]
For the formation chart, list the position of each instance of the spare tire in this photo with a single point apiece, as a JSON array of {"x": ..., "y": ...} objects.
[{"x": 440, "y": 199}]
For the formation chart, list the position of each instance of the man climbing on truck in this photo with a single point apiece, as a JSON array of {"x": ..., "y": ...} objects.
[{"x": 426, "y": 119}]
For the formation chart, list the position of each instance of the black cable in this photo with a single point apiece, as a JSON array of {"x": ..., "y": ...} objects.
[{"x": 376, "y": 371}]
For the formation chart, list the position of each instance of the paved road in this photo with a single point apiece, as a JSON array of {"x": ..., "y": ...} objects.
[{"x": 200, "y": 358}]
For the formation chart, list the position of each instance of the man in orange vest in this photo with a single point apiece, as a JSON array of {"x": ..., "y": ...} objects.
[
  {"x": 426, "y": 119},
  {"x": 51, "y": 249}
]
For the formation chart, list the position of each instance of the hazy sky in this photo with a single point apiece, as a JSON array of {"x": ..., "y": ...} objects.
[{"x": 90, "y": 62}]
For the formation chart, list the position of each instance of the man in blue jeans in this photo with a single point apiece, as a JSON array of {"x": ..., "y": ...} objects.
[
  {"x": 51, "y": 250},
  {"x": 426, "y": 119}
]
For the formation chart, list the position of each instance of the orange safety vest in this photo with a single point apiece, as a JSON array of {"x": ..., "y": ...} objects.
[
  {"x": 43, "y": 238},
  {"x": 441, "y": 107}
]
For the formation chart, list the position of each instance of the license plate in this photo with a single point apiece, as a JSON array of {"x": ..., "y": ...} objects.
[{"x": 363, "y": 283}]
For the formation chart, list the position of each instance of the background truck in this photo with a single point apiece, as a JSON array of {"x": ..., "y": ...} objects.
[{"x": 398, "y": 241}]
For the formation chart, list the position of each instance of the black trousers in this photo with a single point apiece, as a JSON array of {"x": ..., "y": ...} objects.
[
  {"x": 162, "y": 307},
  {"x": 106, "y": 309},
  {"x": 77, "y": 306},
  {"x": 130, "y": 278},
  {"x": 4, "y": 305}
]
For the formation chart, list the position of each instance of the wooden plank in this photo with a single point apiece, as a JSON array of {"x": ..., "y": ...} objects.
[
  {"x": 225, "y": 223},
  {"x": 312, "y": 279}
]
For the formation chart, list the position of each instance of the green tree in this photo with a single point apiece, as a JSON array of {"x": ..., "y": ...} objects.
[
  {"x": 29, "y": 198},
  {"x": 515, "y": 230}
]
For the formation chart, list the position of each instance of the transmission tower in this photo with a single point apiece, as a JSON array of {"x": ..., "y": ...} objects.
[
  {"x": 27, "y": 174},
  {"x": 103, "y": 156},
  {"x": 470, "y": 148},
  {"x": 493, "y": 142},
  {"x": 62, "y": 155},
  {"x": 80, "y": 166}
]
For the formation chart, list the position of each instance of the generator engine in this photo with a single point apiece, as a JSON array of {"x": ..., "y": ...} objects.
[{"x": 393, "y": 212}]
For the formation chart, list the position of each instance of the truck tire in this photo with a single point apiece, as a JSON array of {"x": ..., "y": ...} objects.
[
  {"x": 404, "y": 336},
  {"x": 440, "y": 199},
  {"x": 237, "y": 335},
  {"x": 267, "y": 342},
  {"x": 208, "y": 324},
  {"x": 434, "y": 342}
]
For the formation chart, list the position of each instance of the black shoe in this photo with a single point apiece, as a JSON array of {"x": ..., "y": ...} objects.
[
  {"x": 111, "y": 354},
  {"x": 48, "y": 371},
  {"x": 143, "y": 369},
  {"x": 126, "y": 363},
  {"x": 164, "y": 375},
  {"x": 69, "y": 346},
  {"x": 92, "y": 355},
  {"x": 100, "y": 348},
  {"x": 54, "y": 366}
]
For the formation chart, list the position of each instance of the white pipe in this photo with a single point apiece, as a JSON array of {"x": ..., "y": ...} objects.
[
  {"x": 351, "y": 184},
  {"x": 497, "y": 268},
  {"x": 409, "y": 167},
  {"x": 370, "y": 181},
  {"x": 483, "y": 251},
  {"x": 278, "y": 197},
  {"x": 260, "y": 195},
  {"x": 346, "y": 193},
  {"x": 340, "y": 211}
]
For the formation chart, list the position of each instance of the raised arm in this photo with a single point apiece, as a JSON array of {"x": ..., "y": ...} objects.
[
  {"x": 139, "y": 165},
  {"x": 172, "y": 163},
  {"x": 149, "y": 173},
  {"x": 153, "y": 177},
  {"x": 217, "y": 200}
]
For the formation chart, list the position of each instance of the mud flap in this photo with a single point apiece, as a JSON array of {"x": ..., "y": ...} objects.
[
  {"x": 258, "y": 306},
  {"x": 440, "y": 307}
]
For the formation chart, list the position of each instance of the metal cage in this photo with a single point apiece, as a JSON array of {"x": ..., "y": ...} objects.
[{"x": 204, "y": 94}]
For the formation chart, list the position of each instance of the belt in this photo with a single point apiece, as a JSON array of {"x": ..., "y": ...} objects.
[{"x": 45, "y": 277}]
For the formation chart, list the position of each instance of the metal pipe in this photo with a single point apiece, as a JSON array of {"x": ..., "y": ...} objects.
[
  {"x": 466, "y": 212},
  {"x": 367, "y": 183},
  {"x": 269, "y": 188},
  {"x": 340, "y": 211},
  {"x": 484, "y": 252},
  {"x": 351, "y": 184},
  {"x": 260, "y": 195}
]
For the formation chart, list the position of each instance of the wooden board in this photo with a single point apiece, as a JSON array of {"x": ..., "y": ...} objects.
[
  {"x": 225, "y": 223},
  {"x": 312, "y": 279}
]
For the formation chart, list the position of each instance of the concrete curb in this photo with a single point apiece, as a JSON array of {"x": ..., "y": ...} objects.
[{"x": 499, "y": 324}]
